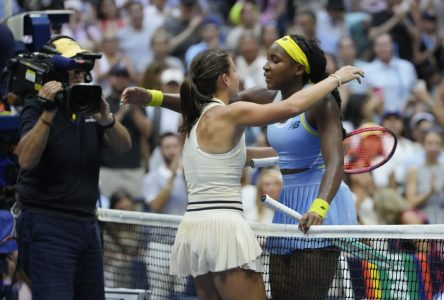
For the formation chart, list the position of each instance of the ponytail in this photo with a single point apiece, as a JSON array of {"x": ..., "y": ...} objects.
[
  {"x": 200, "y": 85},
  {"x": 191, "y": 104}
]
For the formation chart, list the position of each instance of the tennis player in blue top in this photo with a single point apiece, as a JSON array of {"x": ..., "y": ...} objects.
[{"x": 311, "y": 161}]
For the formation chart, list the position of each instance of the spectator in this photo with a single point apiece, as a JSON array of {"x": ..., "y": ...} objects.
[
  {"x": 164, "y": 120},
  {"x": 165, "y": 187},
  {"x": 420, "y": 123},
  {"x": 394, "y": 76},
  {"x": 269, "y": 34},
  {"x": 393, "y": 209},
  {"x": 305, "y": 24},
  {"x": 124, "y": 243},
  {"x": 424, "y": 186},
  {"x": 151, "y": 75},
  {"x": 77, "y": 27},
  {"x": 121, "y": 199},
  {"x": 269, "y": 182},
  {"x": 347, "y": 56},
  {"x": 183, "y": 27},
  {"x": 429, "y": 47},
  {"x": 271, "y": 10},
  {"x": 249, "y": 15},
  {"x": 211, "y": 38},
  {"x": 161, "y": 46},
  {"x": 111, "y": 55},
  {"x": 135, "y": 37},
  {"x": 394, "y": 20},
  {"x": 366, "y": 108},
  {"x": 250, "y": 62},
  {"x": 109, "y": 19},
  {"x": 157, "y": 12},
  {"x": 330, "y": 26},
  {"x": 363, "y": 188},
  {"x": 124, "y": 170}
]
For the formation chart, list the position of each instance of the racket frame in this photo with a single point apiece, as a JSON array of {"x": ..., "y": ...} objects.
[{"x": 274, "y": 161}]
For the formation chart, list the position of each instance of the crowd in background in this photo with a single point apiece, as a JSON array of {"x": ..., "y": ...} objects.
[{"x": 398, "y": 43}]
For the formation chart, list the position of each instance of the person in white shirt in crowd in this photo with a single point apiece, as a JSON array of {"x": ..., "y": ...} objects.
[
  {"x": 250, "y": 62},
  {"x": 394, "y": 76},
  {"x": 135, "y": 36},
  {"x": 167, "y": 181},
  {"x": 269, "y": 182}
]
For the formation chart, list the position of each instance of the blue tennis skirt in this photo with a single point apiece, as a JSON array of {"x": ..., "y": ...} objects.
[{"x": 298, "y": 193}]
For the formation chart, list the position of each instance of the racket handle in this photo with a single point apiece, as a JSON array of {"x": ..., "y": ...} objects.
[
  {"x": 274, "y": 204},
  {"x": 264, "y": 162}
]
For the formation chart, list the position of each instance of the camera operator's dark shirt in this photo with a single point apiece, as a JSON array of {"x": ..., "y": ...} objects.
[{"x": 65, "y": 180}]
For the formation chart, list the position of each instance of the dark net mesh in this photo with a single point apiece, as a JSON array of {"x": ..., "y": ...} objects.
[{"x": 137, "y": 250}]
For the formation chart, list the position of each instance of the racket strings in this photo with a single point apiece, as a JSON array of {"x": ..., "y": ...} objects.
[{"x": 364, "y": 151}]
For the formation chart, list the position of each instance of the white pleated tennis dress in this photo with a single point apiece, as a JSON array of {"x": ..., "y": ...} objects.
[{"x": 213, "y": 235}]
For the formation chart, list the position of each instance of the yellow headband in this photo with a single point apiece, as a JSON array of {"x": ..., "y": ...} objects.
[{"x": 295, "y": 52}]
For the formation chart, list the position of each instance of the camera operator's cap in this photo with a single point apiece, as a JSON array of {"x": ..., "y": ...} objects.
[
  {"x": 172, "y": 75},
  {"x": 68, "y": 47}
]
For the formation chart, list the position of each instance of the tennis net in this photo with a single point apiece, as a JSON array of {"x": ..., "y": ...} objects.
[{"x": 338, "y": 262}]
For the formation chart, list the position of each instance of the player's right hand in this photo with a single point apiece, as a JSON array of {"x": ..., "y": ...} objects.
[
  {"x": 348, "y": 73},
  {"x": 136, "y": 96}
]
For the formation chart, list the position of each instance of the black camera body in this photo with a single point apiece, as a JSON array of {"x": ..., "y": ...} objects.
[{"x": 28, "y": 72}]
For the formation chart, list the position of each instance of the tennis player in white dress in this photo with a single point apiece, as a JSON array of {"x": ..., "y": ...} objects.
[{"x": 214, "y": 243}]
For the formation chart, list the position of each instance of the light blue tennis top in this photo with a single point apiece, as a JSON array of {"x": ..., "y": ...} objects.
[{"x": 297, "y": 143}]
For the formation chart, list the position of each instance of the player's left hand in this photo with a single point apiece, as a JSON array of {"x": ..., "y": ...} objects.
[{"x": 309, "y": 219}]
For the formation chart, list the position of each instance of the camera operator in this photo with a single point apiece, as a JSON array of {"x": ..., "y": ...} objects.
[{"x": 59, "y": 155}]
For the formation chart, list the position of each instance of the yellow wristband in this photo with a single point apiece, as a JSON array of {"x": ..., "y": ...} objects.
[
  {"x": 320, "y": 207},
  {"x": 156, "y": 98}
]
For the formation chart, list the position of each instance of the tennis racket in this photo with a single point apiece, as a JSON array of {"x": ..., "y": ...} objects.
[
  {"x": 350, "y": 246},
  {"x": 365, "y": 149}
]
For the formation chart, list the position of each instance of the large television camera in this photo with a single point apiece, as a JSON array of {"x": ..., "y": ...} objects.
[{"x": 30, "y": 71}]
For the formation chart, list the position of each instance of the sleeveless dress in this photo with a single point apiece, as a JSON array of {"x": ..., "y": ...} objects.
[
  {"x": 298, "y": 146},
  {"x": 213, "y": 235}
]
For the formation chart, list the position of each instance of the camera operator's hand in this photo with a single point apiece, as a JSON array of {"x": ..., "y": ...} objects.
[
  {"x": 136, "y": 95},
  {"x": 104, "y": 117},
  {"x": 50, "y": 89}
]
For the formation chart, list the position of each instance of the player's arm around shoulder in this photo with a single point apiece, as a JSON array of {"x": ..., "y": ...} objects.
[{"x": 252, "y": 114}]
